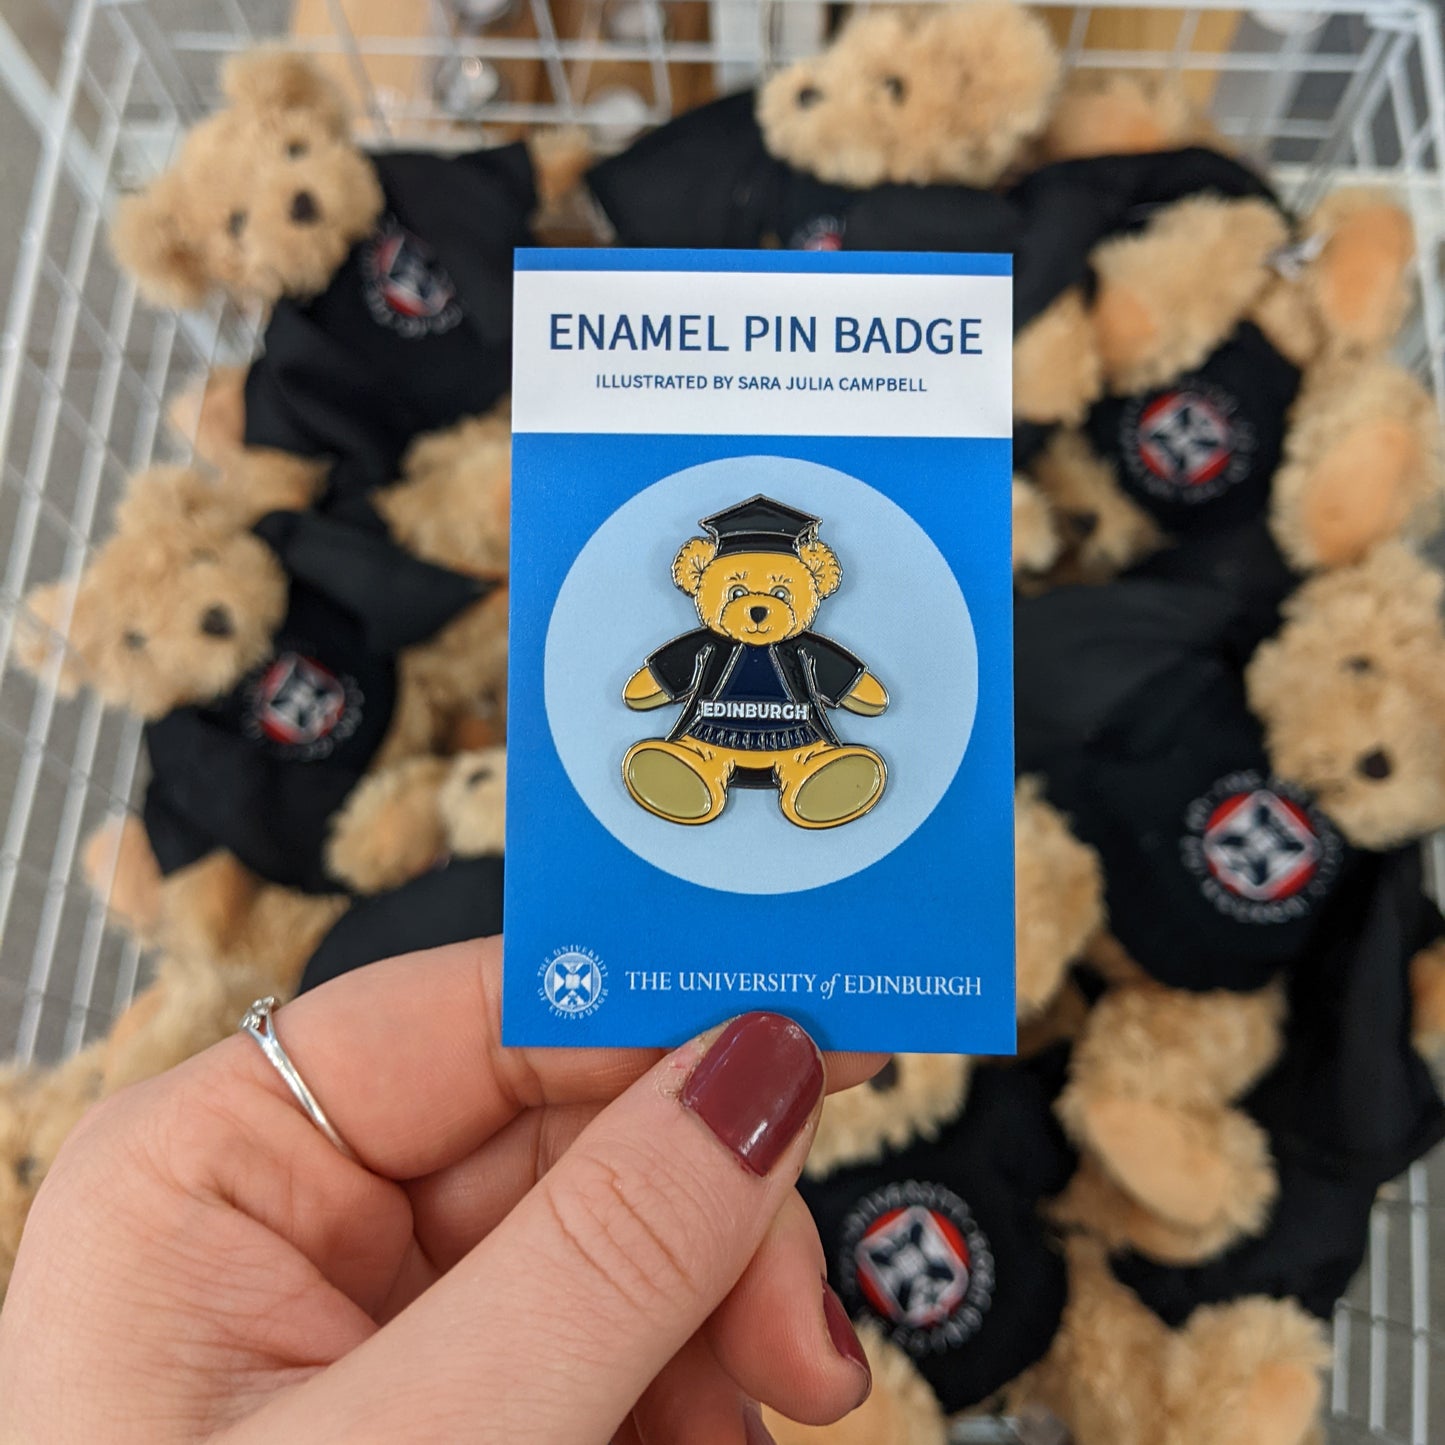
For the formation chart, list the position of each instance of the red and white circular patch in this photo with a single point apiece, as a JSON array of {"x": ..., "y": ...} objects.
[
  {"x": 1262, "y": 851},
  {"x": 406, "y": 288},
  {"x": 1188, "y": 444},
  {"x": 300, "y": 707},
  {"x": 1184, "y": 439},
  {"x": 914, "y": 1255}
]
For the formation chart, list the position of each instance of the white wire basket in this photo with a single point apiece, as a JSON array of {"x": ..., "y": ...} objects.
[{"x": 92, "y": 101}]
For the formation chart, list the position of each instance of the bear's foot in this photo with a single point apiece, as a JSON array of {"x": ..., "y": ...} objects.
[
  {"x": 673, "y": 783},
  {"x": 831, "y": 787}
]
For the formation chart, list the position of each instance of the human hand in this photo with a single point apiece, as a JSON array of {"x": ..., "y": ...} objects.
[{"x": 550, "y": 1246}]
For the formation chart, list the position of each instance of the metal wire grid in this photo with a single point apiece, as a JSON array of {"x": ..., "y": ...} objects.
[{"x": 85, "y": 370}]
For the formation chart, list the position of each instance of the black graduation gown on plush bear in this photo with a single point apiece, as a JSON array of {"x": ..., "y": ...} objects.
[
  {"x": 1349, "y": 1105},
  {"x": 414, "y": 331},
  {"x": 262, "y": 770},
  {"x": 1130, "y": 702},
  {"x": 941, "y": 1242},
  {"x": 706, "y": 179},
  {"x": 462, "y": 899}
]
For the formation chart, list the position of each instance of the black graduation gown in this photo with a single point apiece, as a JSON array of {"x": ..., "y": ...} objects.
[
  {"x": 414, "y": 331},
  {"x": 462, "y": 899},
  {"x": 941, "y": 1244},
  {"x": 1130, "y": 701},
  {"x": 262, "y": 770},
  {"x": 705, "y": 179},
  {"x": 1350, "y": 1105},
  {"x": 1198, "y": 454},
  {"x": 812, "y": 672}
]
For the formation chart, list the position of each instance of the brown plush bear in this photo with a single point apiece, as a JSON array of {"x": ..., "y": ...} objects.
[
  {"x": 902, "y": 134},
  {"x": 387, "y": 277},
  {"x": 1243, "y": 361},
  {"x": 1351, "y": 698},
  {"x": 251, "y": 636}
]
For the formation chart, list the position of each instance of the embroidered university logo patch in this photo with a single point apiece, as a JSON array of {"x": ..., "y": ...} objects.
[
  {"x": 915, "y": 1256},
  {"x": 300, "y": 708},
  {"x": 1262, "y": 853},
  {"x": 404, "y": 285},
  {"x": 1188, "y": 444}
]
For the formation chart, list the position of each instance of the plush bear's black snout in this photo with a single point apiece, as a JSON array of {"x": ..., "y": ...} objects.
[{"x": 304, "y": 210}]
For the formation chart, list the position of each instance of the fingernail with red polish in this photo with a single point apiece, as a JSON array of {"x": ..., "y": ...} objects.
[
  {"x": 756, "y": 1087},
  {"x": 844, "y": 1336},
  {"x": 754, "y": 1431}
]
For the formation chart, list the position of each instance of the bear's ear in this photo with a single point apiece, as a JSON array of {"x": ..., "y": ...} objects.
[
  {"x": 158, "y": 498},
  {"x": 691, "y": 562},
  {"x": 46, "y": 611},
  {"x": 272, "y": 79},
  {"x": 150, "y": 242},
  {"x": 820, "y": 559}
]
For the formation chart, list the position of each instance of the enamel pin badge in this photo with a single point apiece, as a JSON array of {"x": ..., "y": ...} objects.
[
  {"x": 759, "y": 699},
  {"x": 755, "y": 682}
]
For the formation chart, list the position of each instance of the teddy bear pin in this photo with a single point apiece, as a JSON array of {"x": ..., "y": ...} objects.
[{"x": 754, "y": 682}]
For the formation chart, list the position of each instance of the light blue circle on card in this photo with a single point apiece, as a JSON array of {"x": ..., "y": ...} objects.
[{"x": 899, "y": 609}]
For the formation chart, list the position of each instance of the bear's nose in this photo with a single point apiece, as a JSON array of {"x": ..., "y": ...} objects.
[
  {"x": 886, "y": 1079},
  {"x": 303, "y": 208},
  {"x": 216, "y": 622},
  {"x": 758, "y": 614},
  {"x": 1376, "y": 765},
  {"x": 808, "y": 96},
  {"x": 1083, "y": 524}
]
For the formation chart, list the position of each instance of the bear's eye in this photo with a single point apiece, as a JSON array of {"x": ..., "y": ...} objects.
[
  {"x": 809, "y": 95},
  {"x": 236, "y": 222},
  {"x": 296, "y": 149},
  {"x": 735, "y": 592},
  {"x": 895, "y": 87},
  {"x": 203, "y": 554},
  {"x": 133, "y": 640},
  {"x": 782, "y": 594},
  {"x": 1358, "y": 664}
]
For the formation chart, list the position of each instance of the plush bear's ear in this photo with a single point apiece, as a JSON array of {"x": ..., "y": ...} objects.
[
  {"x": 1361, "y": 278},
  {"x": 44, "y": 614},
  {"x": 150, "y": 242},
  {"x": 820, "y": 559},
  {"x": 691, "y": 562},
  {"x": 272, "y": 79},
  {"x": 157, "y": 498}
]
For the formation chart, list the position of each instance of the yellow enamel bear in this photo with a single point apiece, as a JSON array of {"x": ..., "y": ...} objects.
[{"x": 754, "y": 682}]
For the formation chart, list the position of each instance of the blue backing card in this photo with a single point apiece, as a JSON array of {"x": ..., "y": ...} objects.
[{"x": 890, "y": 931}]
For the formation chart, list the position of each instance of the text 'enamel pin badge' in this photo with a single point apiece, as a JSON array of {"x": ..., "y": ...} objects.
[
  {"x": 800, "y": 797},
  {"x": 755, "y": 682}
]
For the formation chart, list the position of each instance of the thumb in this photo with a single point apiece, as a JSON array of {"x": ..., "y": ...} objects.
[{"x": 555, "y": 1324}]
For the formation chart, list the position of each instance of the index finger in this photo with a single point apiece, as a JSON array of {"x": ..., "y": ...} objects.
[{"x": 406, "y": 1058}]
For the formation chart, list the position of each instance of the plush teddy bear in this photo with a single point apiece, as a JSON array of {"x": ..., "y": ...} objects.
[
  {"x": 755, "y": 682},
  {"x": 279, "y": 656},
  {"x": 1241, "y": 355},
  {"x": 387, "y": 276},
  {"x": 936, "y": 1244},
  {"x": 1248, "y": 852},
  {"x": 458, "y": 898},
  {"x": 903, "y": 136}
]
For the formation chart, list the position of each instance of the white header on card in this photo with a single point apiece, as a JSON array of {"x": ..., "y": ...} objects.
[{"x": 762, "y": 354}]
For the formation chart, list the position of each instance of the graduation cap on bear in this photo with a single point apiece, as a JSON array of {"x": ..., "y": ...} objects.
[{"x": 760, "y": 525}]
